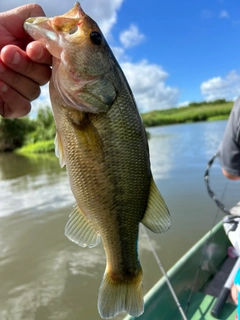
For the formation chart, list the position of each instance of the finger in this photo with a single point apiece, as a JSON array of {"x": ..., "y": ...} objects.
[
  {"x": 12, "y": 104},
  {"x": 38, "y": 53},
  {"x": 26, "y": 87},
  {"x": 20, "y": 15},
  {"x": 18, "y": 61}
]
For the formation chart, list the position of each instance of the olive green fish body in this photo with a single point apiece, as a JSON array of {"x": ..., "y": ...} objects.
[
  {"x": 114, "y": 168},
  {"x": 101, "y": 140}
]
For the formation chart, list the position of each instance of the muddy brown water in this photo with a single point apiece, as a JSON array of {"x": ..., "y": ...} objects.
[{"x": 45, "y": 276}]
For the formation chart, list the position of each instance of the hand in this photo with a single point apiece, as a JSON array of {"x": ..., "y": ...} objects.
[
  {"x": 234, "y": 293},
  {"x": 24, "y": 64},
  {"x": 229, "y": 176}
]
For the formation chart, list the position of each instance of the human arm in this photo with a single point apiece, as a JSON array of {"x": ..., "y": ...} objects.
[
  {"x": 229, "y": 150},
  {"x": 234, "y": 293},
  {"x": 24, "y": 64},
  {"x": 229, "y": 176}
]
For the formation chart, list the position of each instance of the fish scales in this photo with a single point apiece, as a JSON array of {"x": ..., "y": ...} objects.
[
  {"x": 122, "y": 196},
  {"x": 101, "y": 140}
]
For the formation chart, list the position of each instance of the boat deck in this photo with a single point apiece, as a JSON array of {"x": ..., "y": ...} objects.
[
  {"x": 203, "y": 302},
  {"x": 201, "y": 306},
  {"x": 217, "y": 283},
  {"x": 213, "y": 273}
]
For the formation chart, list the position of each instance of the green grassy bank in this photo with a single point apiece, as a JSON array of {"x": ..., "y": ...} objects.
[
  {"x": 37, "y": 147},
  {"x": 37, "y": 135},
  {"x": 217, "y": 110}
]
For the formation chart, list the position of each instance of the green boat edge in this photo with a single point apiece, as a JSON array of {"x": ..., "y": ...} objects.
[{"x": 159, "y": 303}]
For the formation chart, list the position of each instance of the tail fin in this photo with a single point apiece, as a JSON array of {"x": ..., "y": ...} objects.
[{"x": 117, "y": 296}]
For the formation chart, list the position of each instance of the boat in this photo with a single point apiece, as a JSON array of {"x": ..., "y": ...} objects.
[{"x": 197, "y": 278}]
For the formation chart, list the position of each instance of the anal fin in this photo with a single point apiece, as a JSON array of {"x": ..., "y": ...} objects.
[
  {"x": 156, "y": 217},
  {"x": 79, "y": 230}
]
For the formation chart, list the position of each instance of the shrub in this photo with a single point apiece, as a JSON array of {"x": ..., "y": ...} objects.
[
  {"x": 38, "y": 147},
  {"x": 13, "y": 133}
]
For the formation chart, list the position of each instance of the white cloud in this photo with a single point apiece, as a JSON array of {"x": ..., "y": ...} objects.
[
  {"x": 146, "y": 80},
  {"x": 148, "y": 85},
  {"x": 119, "y": 53},
  {"x": 206, "y": 14},
  {"x": 224, "y": 14},
  {"x": 103, "y": 11},
  {"x": 131, "y": 37},
  {"x": 226, "y": 87},
  {"x": 43, "y": 100},
  {"x": 183, "y": 104}
]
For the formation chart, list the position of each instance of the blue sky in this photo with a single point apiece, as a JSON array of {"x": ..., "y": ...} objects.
[{"x": 172, "y": 52}]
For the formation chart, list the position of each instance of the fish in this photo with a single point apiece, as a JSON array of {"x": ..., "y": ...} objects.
[{"x": 101, "y": 139}]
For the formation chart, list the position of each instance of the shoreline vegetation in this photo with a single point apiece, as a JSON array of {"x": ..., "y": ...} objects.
[
  {"x": 194, "y": 112},
  {"x": 27, "y": 136}
]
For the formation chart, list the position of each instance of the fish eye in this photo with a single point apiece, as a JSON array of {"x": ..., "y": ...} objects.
[
  {"x": 96, "y": 37},
  {"x": 73, "y": 30}
]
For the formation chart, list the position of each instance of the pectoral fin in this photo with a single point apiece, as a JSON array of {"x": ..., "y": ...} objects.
[
  {"x": 79, "y": 230},
  {"x": 59, "y": 150},
  {"x": 156, "y": 217},
  {"x": 87, "y": 135}
]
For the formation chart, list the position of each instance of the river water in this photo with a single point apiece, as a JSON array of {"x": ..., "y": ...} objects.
[{"x": 45, "y": 276}]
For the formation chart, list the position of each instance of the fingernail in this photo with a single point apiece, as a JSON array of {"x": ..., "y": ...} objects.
[
  {"x": 3, "y": 87},
  {"x": 16, "y": 58}
]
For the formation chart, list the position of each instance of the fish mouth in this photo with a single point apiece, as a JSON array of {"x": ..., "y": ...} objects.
[
  {"x": 40, "y": 29},
  {"x": 36, "y": 20},
  {"x": 48, "y": 30},
  {"x": 34, "y": 23}
]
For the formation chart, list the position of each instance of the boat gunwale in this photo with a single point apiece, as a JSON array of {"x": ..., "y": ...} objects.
[{"x": 173, "y": 274}]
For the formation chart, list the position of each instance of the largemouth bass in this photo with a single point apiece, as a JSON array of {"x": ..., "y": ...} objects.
[{"x": 102, "y": 141}]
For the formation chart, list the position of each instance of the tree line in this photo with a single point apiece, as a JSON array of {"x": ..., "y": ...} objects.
[
  {"x": 40, "y": 132},
  {"x": 14, "y": 133}
]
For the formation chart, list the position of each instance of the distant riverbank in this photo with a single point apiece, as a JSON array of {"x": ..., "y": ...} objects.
[
  {"x": 205, "y": 111},
  {"x": 37, "y": 135}
]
